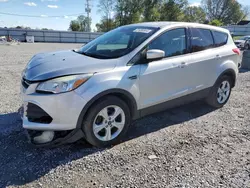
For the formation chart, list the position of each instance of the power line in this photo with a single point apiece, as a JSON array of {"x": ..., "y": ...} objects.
[{"x": 39, "y": 16}]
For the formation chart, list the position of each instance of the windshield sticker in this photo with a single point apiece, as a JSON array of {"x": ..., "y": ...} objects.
[{"x": 142, "y": 30}]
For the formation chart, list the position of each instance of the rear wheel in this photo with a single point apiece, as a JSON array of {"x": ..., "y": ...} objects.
[
  {"x": 220, "y": 92},
  {"x": 107, "y": 122}
]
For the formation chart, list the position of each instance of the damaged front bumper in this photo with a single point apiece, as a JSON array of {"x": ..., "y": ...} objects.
[
  {"x": 41, "y": 138},
  {"x": 59, "y": 137}
]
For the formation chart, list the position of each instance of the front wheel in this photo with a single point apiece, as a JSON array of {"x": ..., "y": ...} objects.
[
  {"x": 106, "y": 122},
  {"x": 248, "y": 47},
  {"x": 220, "y": 92}
]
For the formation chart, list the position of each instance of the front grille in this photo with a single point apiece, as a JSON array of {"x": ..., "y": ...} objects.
[
  {"x": 25, "y": 83},
  {"x": 37, "y": 115},
  {"x": 236, "y": 43}
]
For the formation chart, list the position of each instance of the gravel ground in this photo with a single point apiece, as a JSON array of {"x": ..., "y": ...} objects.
[{"x": 189, "y": 146}]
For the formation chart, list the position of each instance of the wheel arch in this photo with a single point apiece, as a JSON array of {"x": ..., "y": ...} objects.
[
  {"x": 231, "y": 73},
  {"x": 120, "y": 93}
]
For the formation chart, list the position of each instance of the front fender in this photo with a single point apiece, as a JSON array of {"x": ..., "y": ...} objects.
[{"x": 116, "y": 82}]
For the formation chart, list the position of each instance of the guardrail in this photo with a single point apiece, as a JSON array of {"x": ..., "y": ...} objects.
[{"x": 50, "y": 35}]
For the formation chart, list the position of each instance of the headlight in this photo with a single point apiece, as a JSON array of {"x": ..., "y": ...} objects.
[{"x": 63, "y": 84}]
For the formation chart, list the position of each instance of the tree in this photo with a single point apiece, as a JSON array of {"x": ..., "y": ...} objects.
[
  {"x": 74, "y": 25},
  {"x": 215, "y": 22},
  {"x": 105, "y": 25},
  {"x": 80, "y": 24},
  {"x": 227, "y": 11},
  {"x": 106, "y": 7},
  {"x": 128, "y": 11},
  {"x": 194, "y": 14},
  {"x": 172, "y": 10},
  {"x": 151, "y": 10}
]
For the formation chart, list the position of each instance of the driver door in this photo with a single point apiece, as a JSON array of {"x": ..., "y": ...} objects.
[{"x": 167, "y": 78}]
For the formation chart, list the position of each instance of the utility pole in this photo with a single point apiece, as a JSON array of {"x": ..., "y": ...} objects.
[{"x": 88, "y": 10}]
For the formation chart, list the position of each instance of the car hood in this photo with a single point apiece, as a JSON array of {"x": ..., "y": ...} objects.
[
  {"x": 239, "y": 41},
  {"x": 55, "y": 64}
]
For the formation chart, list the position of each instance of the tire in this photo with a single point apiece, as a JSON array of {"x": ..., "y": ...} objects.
[
  {"x": 97, "y": 118},
  {"x": 215, "y": 95},
  {"x": 248, "y": 47}
]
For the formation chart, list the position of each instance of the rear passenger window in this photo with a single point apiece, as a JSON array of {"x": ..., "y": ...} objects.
[
  {"x": 201, "y": 39},
  {"x": 220, "y": 38},
  {"x": 172, "y": 42}
]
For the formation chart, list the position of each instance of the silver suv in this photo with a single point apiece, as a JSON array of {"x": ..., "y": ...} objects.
[{"x": 130, "y": 72}]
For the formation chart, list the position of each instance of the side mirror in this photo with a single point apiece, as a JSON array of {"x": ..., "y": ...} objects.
[{"x": 155, "y": 54}]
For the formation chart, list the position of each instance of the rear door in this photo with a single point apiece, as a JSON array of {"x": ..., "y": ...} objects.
[{"x": 203, "y": 59}]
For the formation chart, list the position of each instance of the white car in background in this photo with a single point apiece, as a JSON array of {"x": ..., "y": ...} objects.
[{"x": 243, "y": 43}]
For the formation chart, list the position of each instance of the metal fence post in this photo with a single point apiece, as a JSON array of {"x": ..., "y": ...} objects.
[{"x": 60, "y": 37}]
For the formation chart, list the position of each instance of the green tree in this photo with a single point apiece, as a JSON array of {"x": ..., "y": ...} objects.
[
  {"x": 215, "y": 22},
  {"x": 105, "y": 25},
  {"x": 106, "y": 7},
  {"x": 227, "y": 11},
  {"x": 172, "y": 10},
  {"x": 80, "y": 24},
  {"x": 74, "y": 25},
  {"x": 194, "y": 14},
  {"x": 128, "y": 11},
  {"x": 151, "y": 10}
]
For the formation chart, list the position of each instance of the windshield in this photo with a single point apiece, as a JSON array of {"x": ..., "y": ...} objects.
[{"x": 117, "y": 42}]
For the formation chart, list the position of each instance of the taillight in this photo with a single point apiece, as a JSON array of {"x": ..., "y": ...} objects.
[{"x": 236, "y": 50}]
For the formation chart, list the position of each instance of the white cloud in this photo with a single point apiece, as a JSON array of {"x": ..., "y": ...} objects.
[
  {"x": 66, "y": 17},
  {"x": 52, "y": 6},
  {"x": 196, "y": 4},
  {"x": 44, "y": 15},
  {"x": 49, "y": 0},
  {"x": 4, "y": 0},
  {"x": 31, "y": 4}
]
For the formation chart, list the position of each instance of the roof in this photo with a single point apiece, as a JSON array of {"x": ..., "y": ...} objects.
[{"x": 166, "y": 24}]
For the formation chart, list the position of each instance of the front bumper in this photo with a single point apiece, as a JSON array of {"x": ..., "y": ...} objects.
[
  {"x": 70, "y": 137},
  {"x": 64, "y": 109},
  {"x": 55, "y": 113}
]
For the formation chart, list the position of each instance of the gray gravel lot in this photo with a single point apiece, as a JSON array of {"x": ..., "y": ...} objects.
[{"x": 193, "y": 145}]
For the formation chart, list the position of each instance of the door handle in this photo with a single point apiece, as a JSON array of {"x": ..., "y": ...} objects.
[
  {"x": 182, "y": 65},
  {"x": 218, "y": 56}
]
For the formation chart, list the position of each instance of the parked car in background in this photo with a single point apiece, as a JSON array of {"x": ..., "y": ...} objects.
[
  {"x": 130, "y": 72},
  {"x": 243, "y": 43}
]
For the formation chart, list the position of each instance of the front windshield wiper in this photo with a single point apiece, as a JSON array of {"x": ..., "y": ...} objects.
[
  {"x": 76, "y": 51},
  {"x": 98, "y": 56}
]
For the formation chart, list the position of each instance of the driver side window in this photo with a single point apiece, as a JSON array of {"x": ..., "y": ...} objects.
[{"x": 172, "y": 42}]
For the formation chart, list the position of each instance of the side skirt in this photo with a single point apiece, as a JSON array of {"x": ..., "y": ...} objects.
[{"x": 175, "y": 102}]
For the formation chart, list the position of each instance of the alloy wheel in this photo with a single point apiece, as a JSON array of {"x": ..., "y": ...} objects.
[
  {"x": 109, "y": 123},
  {"x": 223, "y": 92}
]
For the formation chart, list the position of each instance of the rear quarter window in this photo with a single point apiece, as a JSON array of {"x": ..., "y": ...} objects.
[{"x": 220, "y": 38}]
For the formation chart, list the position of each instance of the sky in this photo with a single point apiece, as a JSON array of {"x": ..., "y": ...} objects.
[{"x": 63, "y": 11}]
